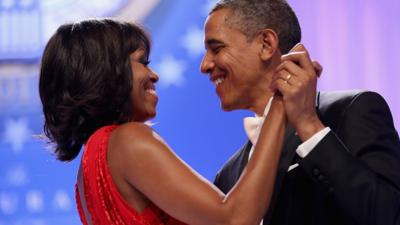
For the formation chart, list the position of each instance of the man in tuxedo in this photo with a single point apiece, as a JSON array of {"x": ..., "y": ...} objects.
[{"x": 340, "y": 162}]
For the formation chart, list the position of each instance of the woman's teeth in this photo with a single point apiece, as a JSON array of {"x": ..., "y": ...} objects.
[{"x": 151, "y": 91}]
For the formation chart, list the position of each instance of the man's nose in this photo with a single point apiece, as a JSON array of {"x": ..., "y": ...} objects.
[{"x": 206, "y": 64}]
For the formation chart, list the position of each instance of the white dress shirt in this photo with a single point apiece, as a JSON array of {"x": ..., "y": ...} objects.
[{"x": 302, "y": 150}]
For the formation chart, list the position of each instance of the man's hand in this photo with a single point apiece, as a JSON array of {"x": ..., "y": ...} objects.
[{"x": 296, "y": 79}]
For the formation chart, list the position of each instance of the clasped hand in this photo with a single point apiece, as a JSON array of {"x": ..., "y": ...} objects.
[{"x": 296, "y": 80}]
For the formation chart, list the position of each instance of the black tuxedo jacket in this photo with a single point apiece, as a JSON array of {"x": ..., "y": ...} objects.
[{"x": 351, "y": 177}]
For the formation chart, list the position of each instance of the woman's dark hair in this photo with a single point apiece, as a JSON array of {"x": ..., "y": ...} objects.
[{"x": 86, "y": 80}]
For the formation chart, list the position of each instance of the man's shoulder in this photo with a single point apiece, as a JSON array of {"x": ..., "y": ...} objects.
[
  {"x": 327, "y": 98},
  {"x": 231, "y": 170},
  {"x": 340, "y": 99},
  {"x": 334, "y": 105},
  {"x": 235, "y": 159}
]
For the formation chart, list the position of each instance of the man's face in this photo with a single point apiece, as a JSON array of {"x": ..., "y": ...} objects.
[{"x": 232, "y": 61}]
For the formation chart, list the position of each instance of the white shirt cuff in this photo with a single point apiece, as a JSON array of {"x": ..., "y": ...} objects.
[{"x": 306, "y": 147}]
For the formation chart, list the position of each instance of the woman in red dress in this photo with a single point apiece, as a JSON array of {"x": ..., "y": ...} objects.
[{"x": 98, "y": 91}]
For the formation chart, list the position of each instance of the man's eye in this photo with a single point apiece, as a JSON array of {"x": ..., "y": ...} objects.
[{"x": 216, "y": 49}]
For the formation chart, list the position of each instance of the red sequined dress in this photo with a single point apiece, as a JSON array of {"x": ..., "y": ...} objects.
[{"x": 97, "y": 196}]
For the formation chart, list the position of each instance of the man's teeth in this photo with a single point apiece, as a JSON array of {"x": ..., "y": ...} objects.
[{"x": 218, "y": 81}]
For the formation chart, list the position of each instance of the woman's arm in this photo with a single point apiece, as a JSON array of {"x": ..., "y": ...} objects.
[{"x": 149, "y": 165}]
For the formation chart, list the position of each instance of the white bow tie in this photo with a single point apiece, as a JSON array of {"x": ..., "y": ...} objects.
[{"x": 252, "y": 125}]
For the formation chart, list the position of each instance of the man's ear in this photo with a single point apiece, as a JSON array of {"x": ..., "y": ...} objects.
[{"x": 270, "y": 42}]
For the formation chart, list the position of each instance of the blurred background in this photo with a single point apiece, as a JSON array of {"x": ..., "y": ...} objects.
[{"x": 356, "y": 41}]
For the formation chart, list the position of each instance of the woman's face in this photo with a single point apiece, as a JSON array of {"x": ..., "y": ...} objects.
[{"x": 143, "y": 95}]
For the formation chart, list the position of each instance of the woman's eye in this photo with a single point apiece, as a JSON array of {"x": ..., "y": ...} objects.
[{"x": 145, "y": 62}]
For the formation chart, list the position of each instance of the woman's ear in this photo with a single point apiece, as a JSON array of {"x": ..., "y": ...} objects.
[{"x": 269, "y": 42}]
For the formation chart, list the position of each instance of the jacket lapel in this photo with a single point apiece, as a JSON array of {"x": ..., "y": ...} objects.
[
  {"x": 291, "y": 142},
  {"x": 243, "y": 160}
]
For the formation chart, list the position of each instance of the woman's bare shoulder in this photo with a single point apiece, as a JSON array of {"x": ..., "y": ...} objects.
[{"x": 135, "y": 136}]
